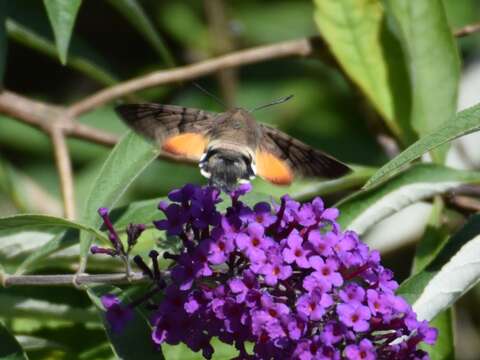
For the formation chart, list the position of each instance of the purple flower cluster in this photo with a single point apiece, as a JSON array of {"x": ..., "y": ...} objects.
[{"x": 282, "y": 277}]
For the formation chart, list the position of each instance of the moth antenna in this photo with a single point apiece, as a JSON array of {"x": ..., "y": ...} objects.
[
  {"x": 274, "y": 102},
  {"x": 214, "y": 97}
]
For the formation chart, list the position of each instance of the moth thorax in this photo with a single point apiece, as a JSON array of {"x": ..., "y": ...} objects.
[{"x": 225, "y": 168}]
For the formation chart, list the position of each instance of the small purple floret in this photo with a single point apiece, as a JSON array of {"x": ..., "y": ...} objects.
[
  {"x": 117, "y": 314},
  {"x": 112, "y": 233},
  {"x": 103, "y": 212},
  {"x": 101, "y": 250}
]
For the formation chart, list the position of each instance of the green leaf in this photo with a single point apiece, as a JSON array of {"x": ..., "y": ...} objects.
[
  {"x": 185, "y": 25},
  {"x": 26, "y": 221},
  {"x": 465, "y": 122},
  {"x": 59, "y": 242},
  {"x": 365, "y": 208},
  {"x": 357, "y": 35},
  {"x": 102, "y": 351},
  {"x": 183, "y": 352},
  {"x": 285, "y": 20},
  {"x": 10, "y": 349},
  {"x": 62, "y": 14},
  {"x": 12, "y": 306},
  {"x": 29, "y": 38},
  {"x": 16, "y": 244},
  {"x": 10, "y": 184},
  {"x": 433, "y": 62},
  {"x": 305, "y": 189},
  {"x": 34, "y": 343},
  {"x": 433, "y": 239},
  {"x": 3, "y": 39},
  {"x": 24, "y": 192},
  {"x": 133, "y": 12},
  {"x": 128, "y": 159},
  {"x": 134, "y": 341},
  {"x": 451, "y": 274}
]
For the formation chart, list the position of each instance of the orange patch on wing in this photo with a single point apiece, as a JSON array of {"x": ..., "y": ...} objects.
[
  {"x": 190, "y": 145},
  {"x": 272, "y": 169}
]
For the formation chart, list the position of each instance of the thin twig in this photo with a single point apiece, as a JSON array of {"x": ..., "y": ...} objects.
[
  {"x": 467, "y": 30},
  {"x": 464, "y": 204},
  {"x": 31, "y": 112},
  {"x": 465, "y": 198},
  {"x": 64, "y": 168},
  {"x": 63, "y": 279},
  {"x": 389, "y": 145},
  {"x": 300, "y": 47},
  {"x": 467, "y": 189}
]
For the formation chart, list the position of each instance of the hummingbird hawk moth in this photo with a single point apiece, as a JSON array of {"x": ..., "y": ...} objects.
[{"x": 230, "y": 147}]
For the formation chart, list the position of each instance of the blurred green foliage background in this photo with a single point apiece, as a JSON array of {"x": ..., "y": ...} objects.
[{"x": 107, "y": 47}]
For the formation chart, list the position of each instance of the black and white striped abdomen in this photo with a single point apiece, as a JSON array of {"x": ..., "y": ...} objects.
[{"x": 225, "y": 168}]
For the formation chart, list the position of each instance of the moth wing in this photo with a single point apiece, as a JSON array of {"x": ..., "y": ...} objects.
[
  {"x": 280, "y": 158},
  {"x": 178, "y": 130}
]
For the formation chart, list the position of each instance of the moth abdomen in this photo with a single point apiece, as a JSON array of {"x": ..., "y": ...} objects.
[{"x": 225, "y": 168}]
